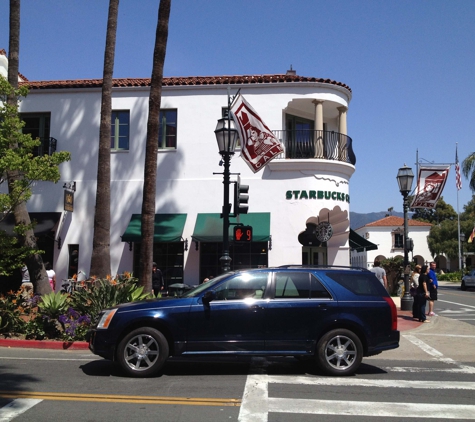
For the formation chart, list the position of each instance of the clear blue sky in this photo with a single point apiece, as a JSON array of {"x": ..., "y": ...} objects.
[{"x": 410, "y": 64}]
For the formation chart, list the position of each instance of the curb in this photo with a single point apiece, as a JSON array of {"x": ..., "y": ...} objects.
[{"x": 45, "y": 344}]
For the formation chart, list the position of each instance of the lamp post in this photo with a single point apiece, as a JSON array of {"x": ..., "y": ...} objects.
[
  {"x": 405, "y": 176},
  {"x": 226, "y": 136},
  {"x": 462, "y": 239}
]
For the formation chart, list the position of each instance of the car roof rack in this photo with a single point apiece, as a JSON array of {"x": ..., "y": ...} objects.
[{"x": 331, "y": 267}]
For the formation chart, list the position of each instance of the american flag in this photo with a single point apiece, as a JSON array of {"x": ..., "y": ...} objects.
[{"x": 458, "y": 179}]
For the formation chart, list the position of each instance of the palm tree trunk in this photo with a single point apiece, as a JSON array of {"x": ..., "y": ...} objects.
[
  {"x": 150, "y": 168},
  {"x": 100, "y": 259},
  {"x": 34, "y": 262}
]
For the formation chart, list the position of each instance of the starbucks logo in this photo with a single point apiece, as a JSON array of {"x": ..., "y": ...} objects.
[{"x": 324, "y": 231}]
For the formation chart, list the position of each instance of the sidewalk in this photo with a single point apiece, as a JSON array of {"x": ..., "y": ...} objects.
[{"x": 405, "y": 321}]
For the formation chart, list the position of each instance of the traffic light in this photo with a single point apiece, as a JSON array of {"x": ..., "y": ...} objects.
[
  {"x": 241, "y": 198},
  {"x": 243, "y": 233}
]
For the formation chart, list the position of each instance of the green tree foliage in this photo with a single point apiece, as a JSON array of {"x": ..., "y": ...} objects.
[
  {"x": 16, "y": 155},
  {"x": 441, "y": 212}
]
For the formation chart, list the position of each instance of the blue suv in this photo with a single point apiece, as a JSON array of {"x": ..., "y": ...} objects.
[{"x": 334, "y": 315}]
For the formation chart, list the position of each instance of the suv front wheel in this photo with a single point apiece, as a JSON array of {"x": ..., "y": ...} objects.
[
  {"x": 142, "y": 352},
  {"x": 339, "y": 352}
]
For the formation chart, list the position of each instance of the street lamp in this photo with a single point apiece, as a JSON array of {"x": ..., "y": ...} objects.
[
  {"x": 226, "y": 136},
  {"x": 405, "y": 176},
  {"x": 462, "y": 239}
]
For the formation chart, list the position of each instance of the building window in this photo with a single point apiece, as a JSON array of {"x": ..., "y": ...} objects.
[
  {"x": 120, "y": 130},
  {"x": 167, "y": 129},
  {"x": 169, "y": 257},
  {"x": 398, "y": 240},
  {"x": 38, "y": 126},
  {"x": 243, "y": 255}
]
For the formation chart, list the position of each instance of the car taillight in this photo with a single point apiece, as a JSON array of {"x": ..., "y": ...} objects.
[{"x": 393, "y": 312}]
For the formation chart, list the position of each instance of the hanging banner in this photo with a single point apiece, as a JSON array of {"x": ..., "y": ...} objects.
[
  {"x": 430, "y": 185},
  {"x": 259, "y": 144}
]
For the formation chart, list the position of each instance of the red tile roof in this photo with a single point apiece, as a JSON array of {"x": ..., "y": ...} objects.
[
  {"x": 392, "y": 220},
  {"x": 185, "y": 81}
]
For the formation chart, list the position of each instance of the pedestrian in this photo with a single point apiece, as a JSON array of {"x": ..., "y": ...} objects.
[
  {"x": 157, "y": 279},
  {"x": 51, "y": 275},
  {"x": 433, "y": 288},
  {"x": 380, "y": 273},
  {"x": 415, "y": 276},
  {"x": 414, "y": 279},
  {"x": 419, "y": 308},
  {"x": 25, "y": 274}
]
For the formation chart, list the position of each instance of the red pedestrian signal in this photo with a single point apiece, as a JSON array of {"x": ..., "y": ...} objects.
[{"x": 243, "y": 233}]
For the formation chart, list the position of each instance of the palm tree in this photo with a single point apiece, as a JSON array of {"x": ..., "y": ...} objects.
[
  {"x": 150, "y": 168},
  {"x": 100, "y": 259},
  {"x": 34, "y": 262},
  {"x": 468, "y": 170}
]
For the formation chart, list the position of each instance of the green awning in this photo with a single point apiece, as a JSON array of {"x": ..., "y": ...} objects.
[
  {"x": 168, "y": 228},
  {"x": 360, "y": 244},
  {"x": 209, "y": 227}
]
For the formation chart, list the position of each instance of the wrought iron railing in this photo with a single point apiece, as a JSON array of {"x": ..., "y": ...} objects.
[
  {"x": 47, "y": 147},
  {"x": 321, "y": 144}
]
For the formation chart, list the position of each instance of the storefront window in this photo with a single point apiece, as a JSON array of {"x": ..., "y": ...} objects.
[
  {"x": 169, "y": 258},
  {"x": 243, "y": 255}
]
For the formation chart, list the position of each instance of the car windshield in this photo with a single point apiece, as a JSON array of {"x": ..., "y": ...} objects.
[{"x": 204, "y": 286}]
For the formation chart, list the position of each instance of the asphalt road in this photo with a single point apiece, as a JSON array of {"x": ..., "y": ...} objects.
[
  {"x": 456, "y": 304},
  {"x": 430, "y": 376}
]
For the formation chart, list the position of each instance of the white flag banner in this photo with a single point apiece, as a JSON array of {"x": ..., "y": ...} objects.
[
  {"x": 259, "y": 144},
  {"x": 430, "y": 185}
]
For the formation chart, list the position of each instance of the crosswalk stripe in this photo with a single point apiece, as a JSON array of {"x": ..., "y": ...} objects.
[
  {"x": 352, "y": 382},
  {"x": 366, "y": 408},
  {"x": 16, "y": 408}
]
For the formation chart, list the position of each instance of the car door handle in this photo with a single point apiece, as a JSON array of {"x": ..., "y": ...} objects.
[{"x": 256, "y": 308}]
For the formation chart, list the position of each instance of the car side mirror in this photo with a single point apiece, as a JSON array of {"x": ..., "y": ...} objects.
[{"x": 208, "y": 297}]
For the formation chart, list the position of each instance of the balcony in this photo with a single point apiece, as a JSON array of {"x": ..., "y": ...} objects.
[
  {"x": 47, "y": 147},
  {"x": 318, "y": 144}
]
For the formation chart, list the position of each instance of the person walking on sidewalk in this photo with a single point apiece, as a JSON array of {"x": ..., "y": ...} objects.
[
  {"x": 380, "y": 273},
  {"x": 433, "y": 288},
  {"x": 422, "y": 294}
]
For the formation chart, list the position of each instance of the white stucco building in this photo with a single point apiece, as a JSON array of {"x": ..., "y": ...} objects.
[
  {"x": 289, "y": 201},
  {"x": 388, "y": 235}
]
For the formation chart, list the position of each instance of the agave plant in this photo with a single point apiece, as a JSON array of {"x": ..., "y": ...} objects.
[{"x": 53, "y": 304}]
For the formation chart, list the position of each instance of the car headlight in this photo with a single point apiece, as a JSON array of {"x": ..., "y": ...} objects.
[{"x": 106, "y": 318}]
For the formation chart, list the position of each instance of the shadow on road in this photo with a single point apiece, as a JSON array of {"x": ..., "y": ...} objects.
[{"x": 225, "y": 366}]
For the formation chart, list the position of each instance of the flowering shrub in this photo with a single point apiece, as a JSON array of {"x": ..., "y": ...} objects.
[
  {"x": 12, "y": 307},
  {"x": 75, "y": 325},
  {"x": 101, "y": 294},
  {"x": 65, "y": 316}
]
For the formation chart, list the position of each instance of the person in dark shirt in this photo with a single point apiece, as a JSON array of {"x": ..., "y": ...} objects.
[
  {"x": 157, "y": 279},
  {"x": 422, "y": 294}
]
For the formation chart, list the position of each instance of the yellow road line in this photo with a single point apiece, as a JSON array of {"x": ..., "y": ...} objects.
[{"x": 109, "y": 398}]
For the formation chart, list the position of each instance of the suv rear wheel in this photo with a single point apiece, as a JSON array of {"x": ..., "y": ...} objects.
[
  {"x": 142, "y": 352},
  {"x": 339, "y": 352}
]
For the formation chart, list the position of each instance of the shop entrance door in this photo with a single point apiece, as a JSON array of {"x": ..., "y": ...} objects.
[{"x": 313, "y": 255}]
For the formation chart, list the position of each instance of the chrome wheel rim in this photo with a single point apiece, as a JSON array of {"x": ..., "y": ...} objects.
[
  {"x": 141, "y": 352},
  {"x": 340, "y": 353}
]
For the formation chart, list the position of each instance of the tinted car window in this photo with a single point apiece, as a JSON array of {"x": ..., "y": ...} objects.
[
  {"x": 292, "y": 285},
  {"x": 317, "y": 291},
  {"x": 359, "y": 283},
  {"x": 243, "y": 286}
]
